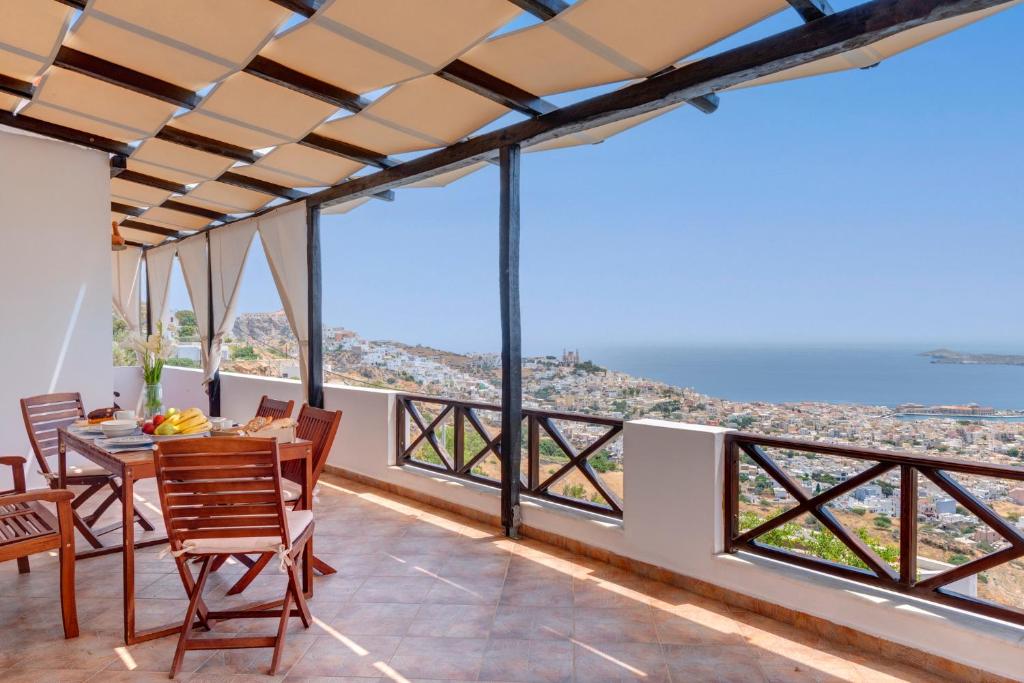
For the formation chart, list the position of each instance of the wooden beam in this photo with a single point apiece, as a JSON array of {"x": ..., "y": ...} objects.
[
  {"x": 213, "y": 386},
  {"x": 837, "y": 33},
  {"x": 495, "y": 89},
  {"x": 127, "y": 209},
  {"x": 208, "y": 145},
  {"x": 194, "y": 210},
  {"x": 152, "y": 181},
  {"x": 115, "y": 74},
  {"x": 118, "y": 165},
  {"x": 146, "y": 227},
  {"x": 315, "y": 313},
  {"x": 705, "y": 103},
  {"x": 65, "y": 134},
  {"x": 511, "y": 340},
  {"x": 306, "y": 8},
  {"x": 77, "y": 4},
  {"x": 542, "y": 9},
  {"x": 16, "y": 87},
  {"x": 286, "y": 77},
  {"x": 140, "y": 245},
  {"x": 256, "y": 185},
  {"x": 344, "y": 149},
  {"x": 812, "y": 10}
]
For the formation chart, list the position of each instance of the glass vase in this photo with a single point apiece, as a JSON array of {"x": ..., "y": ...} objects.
[{"x": 152, "y": 400}]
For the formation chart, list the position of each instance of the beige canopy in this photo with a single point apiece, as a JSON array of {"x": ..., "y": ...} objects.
[{"x": 222, "y": 108}]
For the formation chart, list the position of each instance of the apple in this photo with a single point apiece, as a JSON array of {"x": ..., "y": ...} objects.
[
  {"x": 157, "y": 419},
  {"x": 148, "y": 428}
]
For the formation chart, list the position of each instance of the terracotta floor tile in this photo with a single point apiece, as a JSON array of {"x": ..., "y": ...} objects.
[
  {"x": 374, "y": 619},
  {"x": 731, "y": 663},
  {"x": 355, "y": 656},
  {"x": 441, "y": 658},
  {"x": 614, "y": 625},
  {"x": 601, "y": 662},
  {"x": 453, "y": 621},
  {"x": 466, "y": 591},
  {"x": 528, "y": 660},
  {"x": 408, "y": 589},
  {"x": 530, "y": 623}
]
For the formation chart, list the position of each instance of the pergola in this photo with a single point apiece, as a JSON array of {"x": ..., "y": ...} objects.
[{"x": 246, "y": 111}]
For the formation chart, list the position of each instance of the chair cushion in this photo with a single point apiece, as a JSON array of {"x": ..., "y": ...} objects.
[
  {"x": 298, "y": 521},
  {"x": 290, "y": 491}
]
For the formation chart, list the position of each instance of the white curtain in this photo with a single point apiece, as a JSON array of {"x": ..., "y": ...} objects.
[
  {"x": 159, "y": 262},
  {"x": 229, "y": 245},
  {"x": 124, "y": 266},
  {"x": 194, "y": 264},
  {"x": 283, "y": 234}
]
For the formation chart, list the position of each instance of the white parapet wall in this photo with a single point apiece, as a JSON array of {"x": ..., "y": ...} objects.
[{"x": 673, "y": 518}]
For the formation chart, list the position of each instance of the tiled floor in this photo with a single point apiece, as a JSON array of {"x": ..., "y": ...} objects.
[{"x": 421, "y": 595}]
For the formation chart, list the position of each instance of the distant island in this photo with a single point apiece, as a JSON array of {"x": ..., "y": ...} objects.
[{"x": 959, "y": 358}]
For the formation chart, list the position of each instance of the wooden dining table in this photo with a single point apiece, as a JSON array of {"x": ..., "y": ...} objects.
[{"x": 134, "y": 465}]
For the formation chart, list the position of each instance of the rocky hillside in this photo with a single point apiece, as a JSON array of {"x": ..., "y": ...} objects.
[{"x": 269, "y": 329}]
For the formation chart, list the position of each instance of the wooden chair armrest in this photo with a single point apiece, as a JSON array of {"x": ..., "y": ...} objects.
[
  {"x": 17, "y": 465},
  {"x": 36, "y": 495}
]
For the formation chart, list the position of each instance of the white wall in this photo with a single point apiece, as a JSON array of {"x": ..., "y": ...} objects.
[
  {"x": 55, "y": 278},
  {"x": 673, "y": 519}
]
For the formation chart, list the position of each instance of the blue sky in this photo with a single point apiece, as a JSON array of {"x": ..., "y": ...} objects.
[{"x": 869, "y": 207}]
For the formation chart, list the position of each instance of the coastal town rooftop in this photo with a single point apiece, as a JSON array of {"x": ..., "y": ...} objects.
[{"x": 195, "y": 126}]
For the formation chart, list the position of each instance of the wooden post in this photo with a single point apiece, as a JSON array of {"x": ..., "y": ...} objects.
[
  {"x": 149, "y": 300},
  {"x": 908, "y": 525},
  {"x": 511, "y": 340},
  {"x": 314, "y": 271},
  {"x": 213, "y": 388}
]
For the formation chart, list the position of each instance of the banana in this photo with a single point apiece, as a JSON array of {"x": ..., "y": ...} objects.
[
  {"x": 167, "y": 428},
  {"x": 190, "y": 422},
  {"x": 198, "y": 428}
]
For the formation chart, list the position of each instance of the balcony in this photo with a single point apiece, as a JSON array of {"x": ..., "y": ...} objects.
[{"x": 424, "y": 593}]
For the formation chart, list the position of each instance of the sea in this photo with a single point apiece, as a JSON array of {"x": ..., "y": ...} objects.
[{"x": 871, "y": 376}]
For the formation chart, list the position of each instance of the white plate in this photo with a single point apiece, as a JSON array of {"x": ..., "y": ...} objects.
[
  {"x": 88, "y": 429},
  {"x": 171, "y": 437}
]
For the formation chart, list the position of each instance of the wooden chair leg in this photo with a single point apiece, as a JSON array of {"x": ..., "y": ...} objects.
[
  {"x": 190, "y": 615},
  {"x": 282, "y": 627},
  {"x": 250, "y": 574},
  {"x": 95, "y": 515},
  {"x": 322, "y": 568},
  {"x": 85, "y": 495},
  {"x": 86, "y": 532},
  {"x": 68, "y": 607},
  {"x": 294, "y": 585},
  {"x": 23, "y": 566},
  {"x": 190, "y": 583}
]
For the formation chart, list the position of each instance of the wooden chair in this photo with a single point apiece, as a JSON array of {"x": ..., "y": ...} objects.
[
  {"x": 274, "y": 409},
  {"x": 223, "y": 496},
  {"x": 320, "y": 427},
  {"x": 43, "y": 416},
  {"x": 27, "y": 528}
]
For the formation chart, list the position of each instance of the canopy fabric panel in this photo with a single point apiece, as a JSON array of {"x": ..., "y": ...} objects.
[
  {"x": 344, "y": 207},
  {"x": 217, "y": 128},
  {"x": 97, "y": 103},
  {"x": 445, "y": 179},
  {"x": 194, "y": 259},
  {"x": 138, "y": 195},
  {"x": 252, "y": 102},
  {"x": 30, "y": 34},
  {"x": 140, "y": 236},
  {"x": 595, "y": 42},
  {"x": 124, "y": 267},
  {"x": 229, "y": 247},
  {"x": 870, "y": 55},
  {"x": 190, "y": 43},
  {"x": 226, "y": 198},
  {"x": 159, "y": 263},
  {"x": 364, "y": 46},
  {"x": 295, "y": 165},
  {"x": 182, "y": 161},
  {"x": 364, "y": 131},
  {"x": 177, "y": 219},
  {"x": 434, "y": 109},
  {"x": 283, "y": 235},
  {"x": 600, "y": 133},
  {"x": 8, "y": 102}
]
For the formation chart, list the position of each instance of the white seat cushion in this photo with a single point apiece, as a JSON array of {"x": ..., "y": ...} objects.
[
  {"x": 290, "y": 491},
  {"x": 298, "y": 521}
]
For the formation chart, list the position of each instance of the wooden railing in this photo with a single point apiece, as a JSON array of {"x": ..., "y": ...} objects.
[
  {"x": 464, "y": 451},
  {"x": 875, "y": 569}
]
